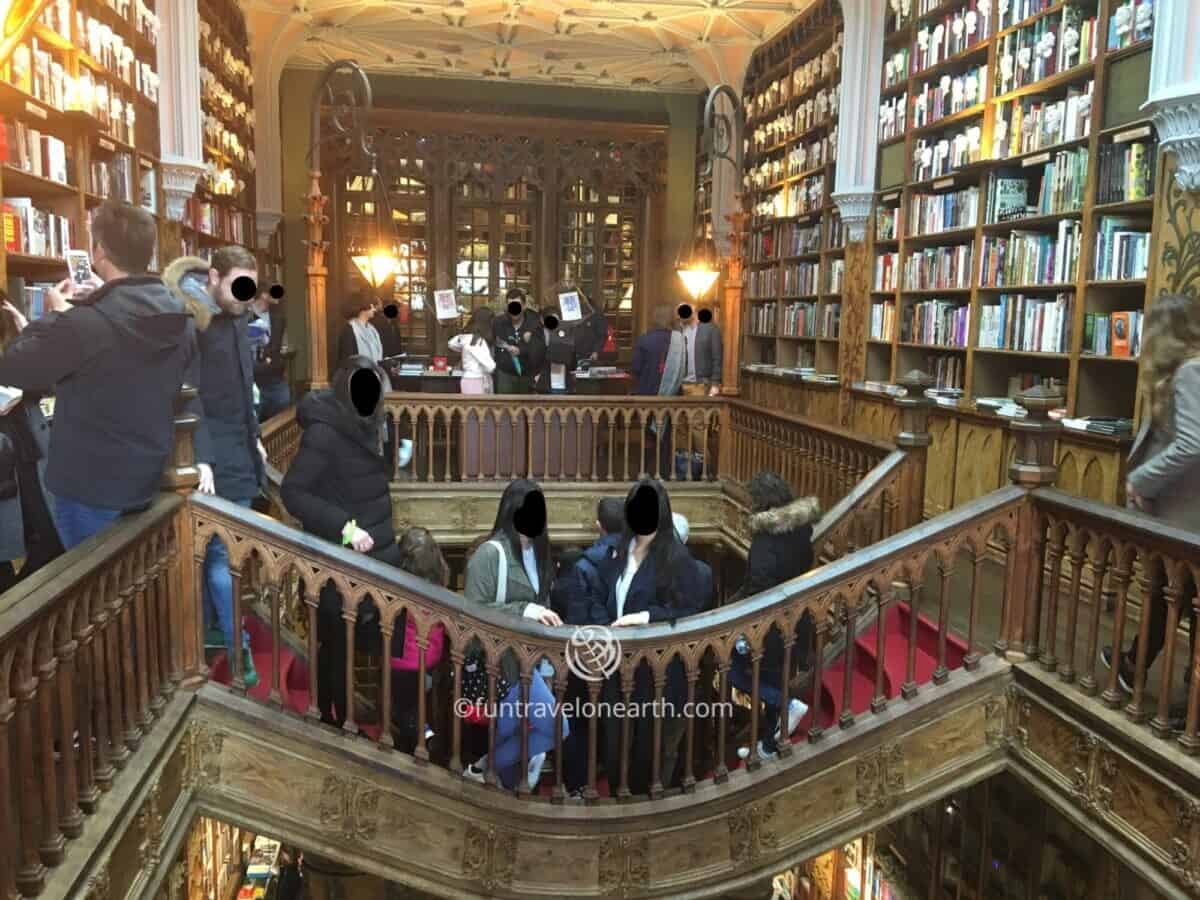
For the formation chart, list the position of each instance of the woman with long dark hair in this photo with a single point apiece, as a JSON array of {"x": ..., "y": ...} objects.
[
  {"x": 27, "y": 529},
  {"x": 1164, "y": 463},
  {"x": 514, "y": 571},
  {"x": 653, "y": 579},
  {"x": 475, "y": 345}
]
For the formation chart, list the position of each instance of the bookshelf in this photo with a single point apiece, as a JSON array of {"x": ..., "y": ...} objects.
[
  {"x": 795, "y": 242},
  {"x": 79, "y": 103},
  {"x": 1011, "y": 237}
]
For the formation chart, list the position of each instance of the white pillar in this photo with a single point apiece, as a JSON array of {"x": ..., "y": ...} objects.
[
  {"x": 724, "y": 65},
  {"x": 179, "y": 125},
  {"x": 1174, "y": 97},
  {"x": 858, "y": 114}
]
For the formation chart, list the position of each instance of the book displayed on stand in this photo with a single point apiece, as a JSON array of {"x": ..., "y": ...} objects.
[
  {"x": 1013, "y": 219},
  {"x": 794, "y": 248}
]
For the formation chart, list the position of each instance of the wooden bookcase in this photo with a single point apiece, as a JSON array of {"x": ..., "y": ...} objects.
[
  {"x": 970, "y": 356},
  {"x": 84, "y": 75},
  {"x": 794, "y": 246}
]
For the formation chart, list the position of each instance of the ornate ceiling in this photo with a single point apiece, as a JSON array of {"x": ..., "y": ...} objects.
[{"x": 663, "y": 45}]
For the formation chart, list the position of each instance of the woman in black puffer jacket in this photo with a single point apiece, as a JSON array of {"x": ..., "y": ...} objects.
[
  {"x": 337, "y": 486},
  {"x": 781, "y": 528}
]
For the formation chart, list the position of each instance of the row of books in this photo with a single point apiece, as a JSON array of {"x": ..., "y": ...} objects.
[
  {"x": 1122, "y": 248},
  {"x": 930, "y": 213},
  {"x": 1016, "y": 11},
  {"x": 885, "y": 223},
  {"x": 883, "y": 321},
  {"x": 804, "y": 157},
  {"x": 762, "y": 318},
  {"x": 218, "y": 220},
  {"x": 786, "y": 239},
  {"x": 837, "y": 276},
  {"x": 1113, "y": 426},
  {"x": 831, "y": 320},
  {"x": 937, "y": 156},
  {"x": 799, "y": 320},
  {"x": 895, "y": 68},
  {"x": 1027, "y": 124},
  {"x": 1031, "y": 257},
  {"x": 762, "y": 283},
  {"x": 1038, "y": 51},
  {"x": 29, "y": 296},
  {"x": 938, "y": 268},
  {"x": 1127, "y": 166},
  {"x": 800, "y": 278},
  {"x": 1057, "y": 187},
  {"x": 35, "y": 231},
  {"x": 948, "y": 371},
  {"x": 113, "y": 178},
  {"x": 887, "y": 270},
  {"x": 893, "y": 113},
  {"x": 1129, "y": 23},
  {"x": 797, "y": 199},
  {"x": 32, "y": 151},
  {"x": 948, "y": 95},
  {"x": 1029, "y": 324},
  {"x": 1112, "y": 334},
  {"x": 954, "y": 34},
  {"x": 946, "y": 323},
  {"x": 33, "y": 69}
]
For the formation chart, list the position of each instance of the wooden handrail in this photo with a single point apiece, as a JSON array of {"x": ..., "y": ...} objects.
[
  {"x": 868, "y": 444},
  {"x": 1090, "y": 555},
  {"x": 90, "y": 652}
]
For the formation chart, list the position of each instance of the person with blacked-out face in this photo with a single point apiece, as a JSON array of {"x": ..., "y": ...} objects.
[{"x": 520, "y": 345}]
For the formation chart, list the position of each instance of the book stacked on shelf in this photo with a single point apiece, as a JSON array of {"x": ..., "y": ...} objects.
[
  {"x": 944, "y": 323},
  {"x": 1017, "y": 11},
  {"x": 762, "y": 245},
  {"x": 892, "y": 116},
  {"x": 1023, "y": 381},
  {"x": 1112, "y": 426},
  {"x": 831, "y": 319},
  {"x": 895, "y": 68},
  {"x": 947, "y": 371},
  {"x": 836, "y": 233},
  {"x": 796, "y": 240},
  {"x": 837, "y": 274},
  {"x": 1127, "y": 166},
  {"x": 1113, "y": 334},
  {"x": 948, "y": 95},
  {"x": 1122, "y": 249},
  {"x": 800, "y": 279},
  {"x": 931, "y": 213},
  {"x": 34, "y": 231},
  {"x": 883, "y": 321},
  {"x": 883, "y": 387},
  {"x": 762, "y": 319},
  {"x": 1130, "y": 23},
  {"x": 799, "y": 320},
  {"x": 1039, "y": 50},
  {"x": 885, "y": 223},
  {"x": 29, "y": 296},
  {"x": 887, "y": 269},
  {"x": 952, "y": 35},
  {"x": 945, "y": 396},
  {"x": 762, "y": 283},
  {"x": 1028, "y": 324},
  {"x": 1031, "y": 257},
  {"x": 1027, "y": 124},
  {"x": 112, "y": 178},
  {"x": 937, "y": 156},
  {"x": 32, "y": 151},
  {"x": 938, "y": 268},
  {"x": 1056, "y": 187}
]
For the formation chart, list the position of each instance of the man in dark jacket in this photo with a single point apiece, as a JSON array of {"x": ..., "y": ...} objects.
[
  {"x": 337, "y": 486},
  {"x": 229, "y": 453},
  {"x": 268, "y": 329},
  {"x": 114, "y": 360},
  {"x": 593, "y": 572},
  {"x": 520, "y": 346}
]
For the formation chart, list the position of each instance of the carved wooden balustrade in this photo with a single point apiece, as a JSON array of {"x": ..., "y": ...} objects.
[
  {"x": 89, "y": 655},
  {"x": 699, "y": 648},
  {"x": 1096, "y": 557},
  {"x": 281, "y": 437}
]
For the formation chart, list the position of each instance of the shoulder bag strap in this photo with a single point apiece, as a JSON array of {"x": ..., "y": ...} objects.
[{"x": 501, "y": 573}]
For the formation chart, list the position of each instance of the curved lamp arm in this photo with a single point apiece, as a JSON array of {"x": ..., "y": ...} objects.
[
  {"x": 350, "y": 108},
  {"x": 721, "y": 132}
]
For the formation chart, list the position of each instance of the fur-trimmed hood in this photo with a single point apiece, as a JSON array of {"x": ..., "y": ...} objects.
[
  {"x": 782, "y": 519},
  {"x": 196, "y": 303}
]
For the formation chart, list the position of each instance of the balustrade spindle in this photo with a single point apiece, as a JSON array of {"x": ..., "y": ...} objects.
[
  {"x": 489, "y": 772},
  {"x": 87, "y": 794},
  {"x": 310, "y": 599},
  {"x": 8, "y": 836},
  {"x": 849, "y": 619},
  {"x": 107, "y": 718},
  {"x": 236, "y": 663},
  {"x": 689, "y": 766},
  {"x": 123, "y": 626},
  {"x": 721, "y": 770},
  {"x": 754, "y": 761},
  {"x": 1123, "y": 558},
  {"x": 448, "y": 425},
  {"x": 160, "y": 639},
  {"x": 32, "y": 872},
  {"x": 627, "y": 677},
  {"x": 559, "y": 792},
  {"x": 1098, "y": 561},
  {"x": 589, "y": 792},
  {"x": 430, "y": 446},
  {"x": 880, "y": 700},
  {"x": 396, "y": 446},
  {"x": 656, "y": 773},
  {"x": 612, "y": 436},
  {"x": 908, "y": 690},
  {"x": 1151, "y": 582},
  {"x": 1054, "y": 553},
  {"x": 140, "y": 645},
  {"x": 53, "y": 842},
  {"x": 523, "y": 786},
  {"x": 70, "y": 816},
  {"x": 456, "y": 661},
  {"x": 1189, "y": 740},
  {"x": 385, "y": 686},
  {"x": 1172, "y": 593},
  {"x": 945, "y": 567},
  {"x": 349, "y": 618},
  {"x": 816, "y": 730},
  {"x": 422, "y": 751},
  {"x": 1075, "y": 557},
  {"x": 275, "y": 697}
]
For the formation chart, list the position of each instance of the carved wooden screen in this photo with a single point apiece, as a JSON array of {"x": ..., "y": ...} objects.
[
  {"x": 410, "y": 218},
  {"x": 495, "y": 238}
]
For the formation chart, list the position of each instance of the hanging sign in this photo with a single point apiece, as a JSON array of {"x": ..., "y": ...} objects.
[
  {"x": 445, "y": 304},
  {"x": 568, "y": 305}
]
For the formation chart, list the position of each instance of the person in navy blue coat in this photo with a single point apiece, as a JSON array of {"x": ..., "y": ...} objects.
[{"x": 653, "y": 579}]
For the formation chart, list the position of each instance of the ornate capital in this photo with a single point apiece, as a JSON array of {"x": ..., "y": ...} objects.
[
  {"x": 266, "y": 221},
  {"x": 1178, "y": 122},
  {"x": 179, "y": 177},
  {"x": 855, "y": 207}
]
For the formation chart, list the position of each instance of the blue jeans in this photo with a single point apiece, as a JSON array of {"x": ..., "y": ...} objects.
[
  {"x": 77, "y": 521},
  {"x": 507, "y": 758},
  {"x": 218, "y": 588},
  {"x": 273, "y": 398}
]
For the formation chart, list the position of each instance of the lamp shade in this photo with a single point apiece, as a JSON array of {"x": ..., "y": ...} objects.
[
  {"x": 700, "y": 269},
  {"x": 376, "y": 266}
]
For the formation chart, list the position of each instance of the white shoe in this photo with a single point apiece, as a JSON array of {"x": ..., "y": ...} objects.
[
  {"x": 744, "y": 752},
  {"x": 406, "y": 452},
  {"x": 475, "y": 772},
  {"x": 535, "y": 769},
  {"x": 797, "y": 710}
]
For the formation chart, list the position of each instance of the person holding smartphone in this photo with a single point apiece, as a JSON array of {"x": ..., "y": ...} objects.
[{"x": 520, "y": 345}]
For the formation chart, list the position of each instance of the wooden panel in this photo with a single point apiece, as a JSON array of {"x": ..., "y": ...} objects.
[
  {"x": 1088, "y": 471},
  {"x": 977, "y": 463},
  {"x": 940, "y": 464},
  {"x": 876, "y": 417}
]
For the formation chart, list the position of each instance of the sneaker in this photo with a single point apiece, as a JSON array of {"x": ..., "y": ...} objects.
[
  {"x": 249, "y": 674},
  {"x": 474, "y": 772},
  {"x": 535, "y": 769},
  {"x": 406, "y": 452},
  {"x": 763, "y": 752},
  {"x": 1125, "y": 677},
  {"x": 797, "y": 710}
]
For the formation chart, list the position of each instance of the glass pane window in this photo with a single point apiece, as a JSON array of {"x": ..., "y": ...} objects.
[
  {"x": 518, "y": 248},
  {"x": 472, "y": 249}
]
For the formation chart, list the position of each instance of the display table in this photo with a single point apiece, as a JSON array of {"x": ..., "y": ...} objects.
[
  {"x": 617, "y": 384},
  {"x": 427, "y": 382}
]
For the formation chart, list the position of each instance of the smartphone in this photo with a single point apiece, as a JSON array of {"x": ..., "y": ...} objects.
[{"x": 79, "y": 264}]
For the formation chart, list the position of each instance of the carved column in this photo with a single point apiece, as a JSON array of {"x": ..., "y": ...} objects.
[
  {"x": 856, "y": 299},
  {"x": 1174, "y": 96},
  {"x": 914, "y": 439},
  {"x": 179, "y": 125},
  {"x": 318, "y": 331},
  {"x": 1033, "y": 467},
  {"x": 182, "y": 476},
  {"x": 731, "y": 307}
]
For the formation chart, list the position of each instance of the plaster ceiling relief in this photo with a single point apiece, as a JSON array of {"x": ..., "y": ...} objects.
[{"x": 662, "y": 45}]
